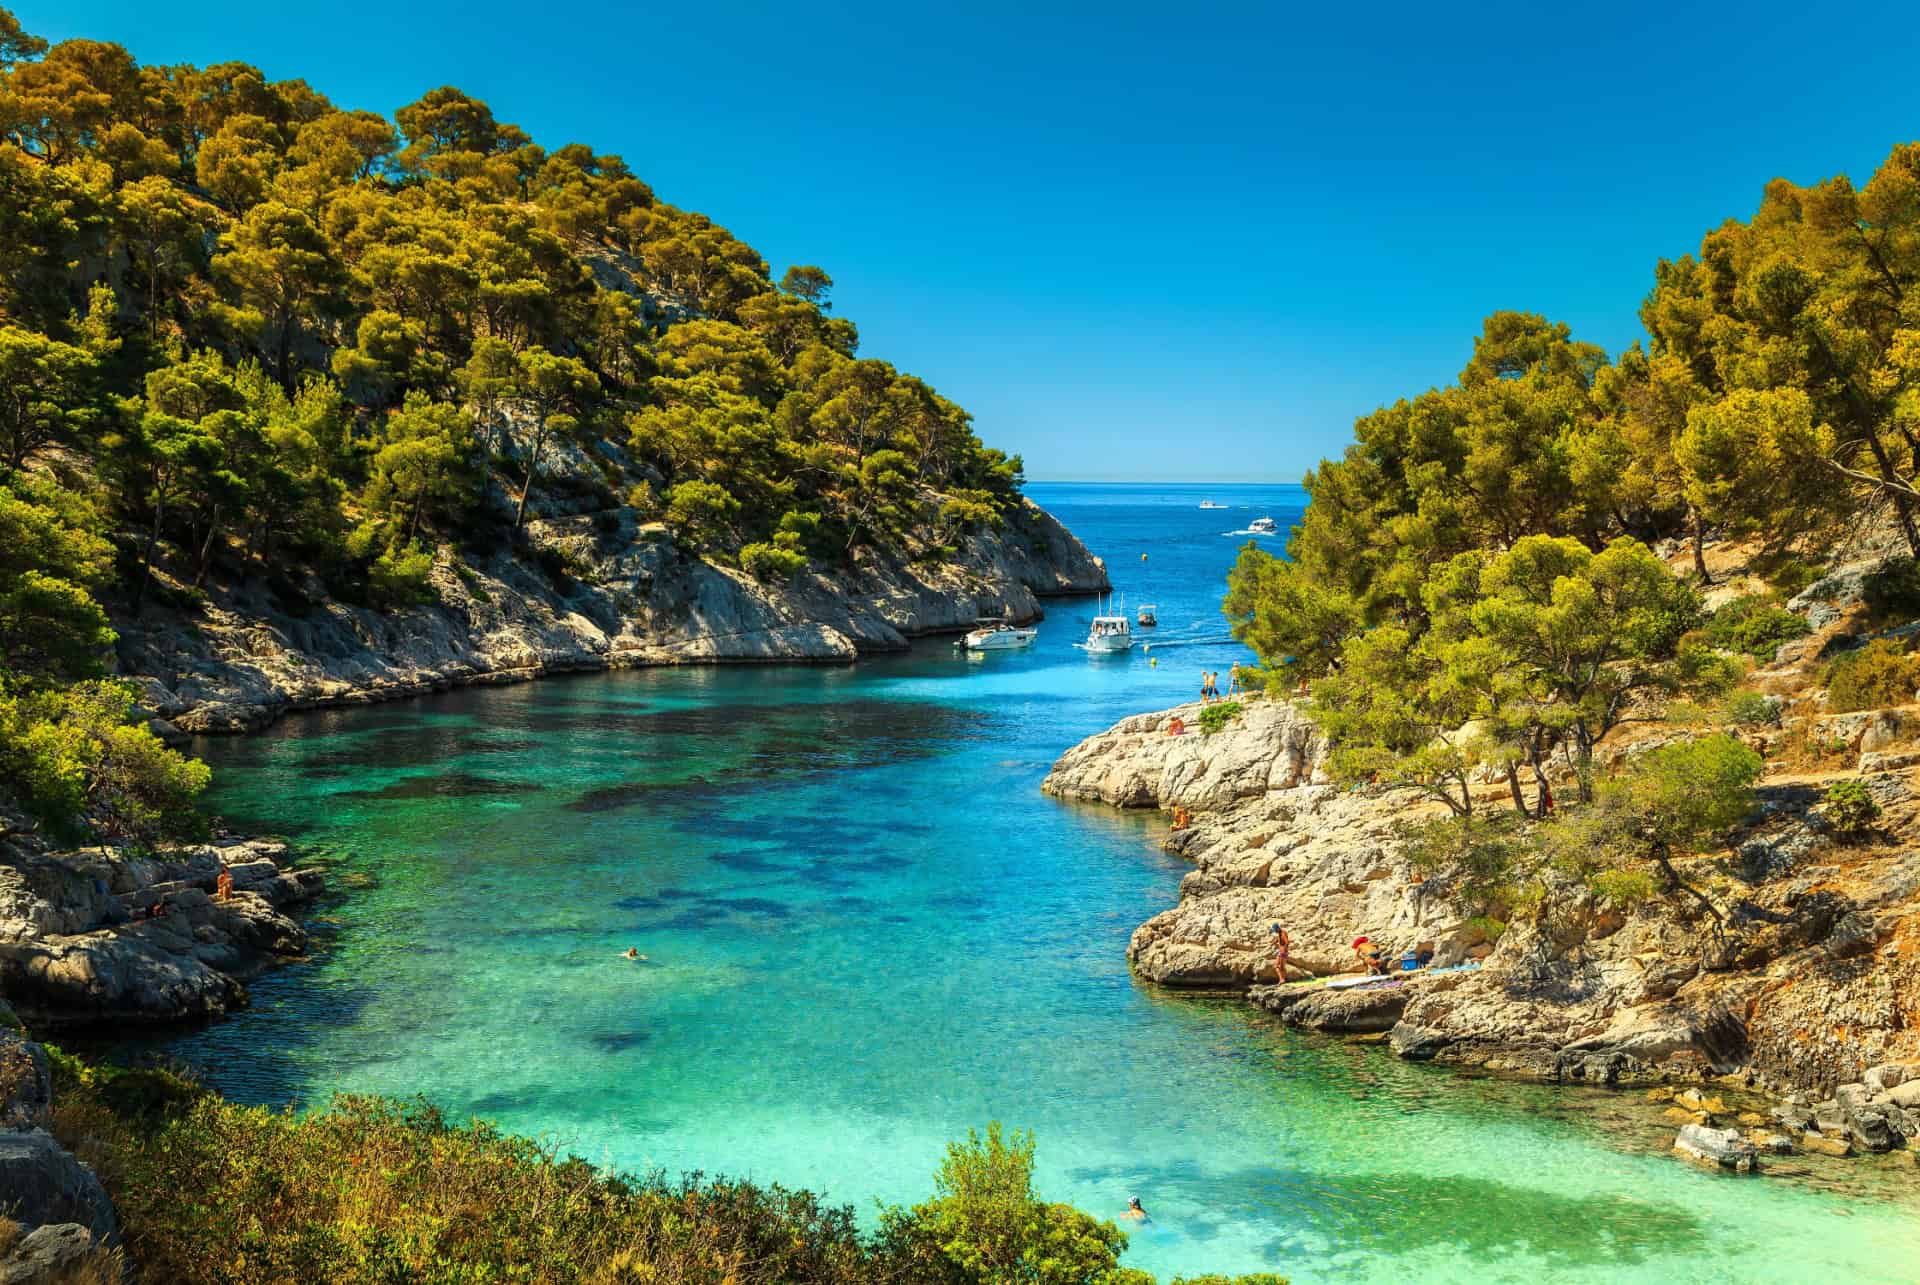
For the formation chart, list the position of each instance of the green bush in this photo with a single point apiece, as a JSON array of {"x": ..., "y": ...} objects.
[
  {"x": 1877, "y": 675},
  {"x": 1218, "y": 715},
  {"x": 779, "y": 560},
  {"x": 1747, "y": 708},
  {"x": 986, "y": 1224},
  {"x": 1849, "y": 807},
  {"x": 1755, "y": 625},
  {"x": 1892, "y": 593},
  {"x": 77, "y": 759},
  {"x": 399, "y": 578},
  {"x": 1623, "y": 889}
]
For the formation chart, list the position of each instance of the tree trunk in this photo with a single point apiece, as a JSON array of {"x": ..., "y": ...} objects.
[
  {"x": 1663, "y": 857},
  {"x": 1699, "y": 554},
  {"x": 146, "y": 557},
  {"x": 533, "y": 466},
  {"x": 206, "y": 547}
]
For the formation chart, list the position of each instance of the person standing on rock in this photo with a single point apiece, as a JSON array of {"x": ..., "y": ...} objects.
[{"x": 1282, "y": 946}]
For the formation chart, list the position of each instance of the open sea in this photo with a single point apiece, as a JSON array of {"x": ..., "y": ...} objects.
[{"x": 867, "y": 930}]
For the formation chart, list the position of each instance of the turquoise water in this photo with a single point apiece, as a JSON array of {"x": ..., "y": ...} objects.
[{"x": 867, "y": 931}]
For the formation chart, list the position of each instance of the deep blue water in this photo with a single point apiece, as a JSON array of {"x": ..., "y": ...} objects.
[{"x": 867, "y": 931}]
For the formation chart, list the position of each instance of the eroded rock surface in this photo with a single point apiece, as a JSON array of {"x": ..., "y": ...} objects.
[
  {"x": 79, "y": 942},
  {"x": 1811, "y": 980},
  {"x": 627, "y": 596}
]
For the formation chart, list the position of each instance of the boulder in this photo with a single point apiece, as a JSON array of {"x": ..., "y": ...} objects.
[
  {"x": 55, "y": 1253},
  {"x": 1905, "y": 1094},
  {"x": 40, "y": 1182},
  {"x": 1887, "y": 1076},
  {"x": 1870, "y": 1129},
  {"x": 1724, "y": 1148}
]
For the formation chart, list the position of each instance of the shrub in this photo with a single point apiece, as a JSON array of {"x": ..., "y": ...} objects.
[
  {"x": 399, "y": 578},
  {"x": 77, "y": 757},
  {"x": 1892, "y": 593},
  {"x": 1748, "y": 708},
  {"x": 1872, "y": 677},
  {"x": 987, "y": 1224},
  {"x": 1218, "y": 715},
  {"x": 1755, "y": 625},
  {"x": 1623, "y": 889},
  {"x": 780, "y": 560},
  {"x": 1849, "y": 807}
]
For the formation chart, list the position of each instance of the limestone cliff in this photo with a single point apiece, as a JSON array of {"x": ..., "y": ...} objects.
[
  {"x": 80, "y": 944},
  {"x": 1811, "y": 983},
  {"x": 588, "y": 591}
]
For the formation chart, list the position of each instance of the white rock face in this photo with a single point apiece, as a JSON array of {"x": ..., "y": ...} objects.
[
  {"x": 1139, "y": 763},
  {"x": 631, "y": 598}
]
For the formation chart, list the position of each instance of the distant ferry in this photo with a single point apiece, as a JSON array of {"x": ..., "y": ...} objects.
[
  {"x": 1209, "y": 504},
  {"x": 1264, "y": 526}
]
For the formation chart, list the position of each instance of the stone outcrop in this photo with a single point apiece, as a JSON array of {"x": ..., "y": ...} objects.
[
  {"x": 79, "y": 942},
  {"x": 1811, "y": 980},
  {"x": 62, "y": 1214},
  {"x": 588, "y": 591}
]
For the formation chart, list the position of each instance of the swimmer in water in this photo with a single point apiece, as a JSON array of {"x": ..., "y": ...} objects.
[{"x": 1134, "y": 1211}]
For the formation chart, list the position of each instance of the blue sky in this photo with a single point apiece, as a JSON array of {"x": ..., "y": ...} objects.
[{"x": 1149, "y": 242}]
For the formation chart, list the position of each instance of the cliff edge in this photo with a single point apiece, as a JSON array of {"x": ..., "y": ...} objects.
[{"x": 589, "y": 591}]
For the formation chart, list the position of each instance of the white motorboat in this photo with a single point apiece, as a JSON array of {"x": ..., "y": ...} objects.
[
  {"x": 1263, "y": 526},
  {"x": 1209, "y": 504},
  {"x": 998, "y": 635},
  {"x": 1110, "y": 633}
]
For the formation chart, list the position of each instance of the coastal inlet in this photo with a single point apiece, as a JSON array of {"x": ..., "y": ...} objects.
[{"x": 866, "y": 931}]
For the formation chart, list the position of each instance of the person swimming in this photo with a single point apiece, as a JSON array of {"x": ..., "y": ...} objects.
[{"x": 1134, "y": 1211}]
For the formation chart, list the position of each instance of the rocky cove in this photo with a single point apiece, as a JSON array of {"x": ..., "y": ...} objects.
[
  {"x": 1798, "y": 1009},
  {"x": 108, "y": 940}
]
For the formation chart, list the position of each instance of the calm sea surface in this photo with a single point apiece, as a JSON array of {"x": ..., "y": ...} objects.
[{"x": 868, "y": 930}]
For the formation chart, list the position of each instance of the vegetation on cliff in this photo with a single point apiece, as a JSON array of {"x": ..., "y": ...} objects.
[
  {"x": 374, "y": 1190},
  {"x": 1473, "y": 595},
  {"x": 244, "y": 330}
]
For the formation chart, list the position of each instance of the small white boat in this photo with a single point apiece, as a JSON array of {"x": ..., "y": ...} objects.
[
  {"x": 1209, "y": 504},
  {"x": 998, "y": 635},
  {"x": 1263, "y": 526},
  {"x": 1110, "y": 634},
  {"x": 1147, "y": 617}
]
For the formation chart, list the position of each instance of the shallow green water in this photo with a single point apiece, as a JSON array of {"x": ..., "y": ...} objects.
[{"x": 868, "y": 931}]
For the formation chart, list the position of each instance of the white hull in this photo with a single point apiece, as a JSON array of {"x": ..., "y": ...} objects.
[{"x": 999, "y": 639}]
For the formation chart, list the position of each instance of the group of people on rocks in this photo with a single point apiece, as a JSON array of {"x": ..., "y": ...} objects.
[
  {"x": 1210, "y": 685},
  {"x": 1372, "y": 959}
]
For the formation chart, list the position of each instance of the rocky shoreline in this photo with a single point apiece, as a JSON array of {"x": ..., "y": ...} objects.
[
  {"x": 590, "y": 591},
  {"x": 1802, "y": 1002}
]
